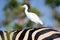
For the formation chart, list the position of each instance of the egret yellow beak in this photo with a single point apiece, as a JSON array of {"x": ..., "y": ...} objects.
[{"x": 22, "y": 6}]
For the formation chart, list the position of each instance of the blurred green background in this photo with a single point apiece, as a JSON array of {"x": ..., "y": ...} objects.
[{"x": 12, "y": 16}]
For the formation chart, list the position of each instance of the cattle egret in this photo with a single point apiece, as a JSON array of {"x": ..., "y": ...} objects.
[{"x": 32, "y": 16}]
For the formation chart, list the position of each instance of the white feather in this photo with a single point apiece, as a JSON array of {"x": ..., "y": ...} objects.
[{"x": 32, "y": 16}]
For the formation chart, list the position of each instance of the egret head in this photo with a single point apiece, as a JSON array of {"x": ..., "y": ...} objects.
[{"x": 26, "y": 6}]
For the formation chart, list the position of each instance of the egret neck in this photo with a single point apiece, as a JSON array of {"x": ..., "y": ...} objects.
[{"x": 26, "y": 10}]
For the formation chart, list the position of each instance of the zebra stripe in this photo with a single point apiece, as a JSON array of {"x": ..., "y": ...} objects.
[
  {"x": 47, "y": 36},
  {"x": 0, "y": 38},
  {"x": 41, "y": 33},
  {"x": 19, "y": 34},
  {"x": 35, "y": 34},
  {"x": 31, "y": 34},
  {"x": 3, "y": 35},
  {"x": 56, "y": 39}
]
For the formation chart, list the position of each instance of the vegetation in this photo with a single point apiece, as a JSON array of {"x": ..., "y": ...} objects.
[
  {"x": 13, "y": 11},
  {"x": 54, "y": 4}
]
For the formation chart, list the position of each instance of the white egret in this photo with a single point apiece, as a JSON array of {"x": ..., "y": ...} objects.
[{"x": 32, "y": 16}]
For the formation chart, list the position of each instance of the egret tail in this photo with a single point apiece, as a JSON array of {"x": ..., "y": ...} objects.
[{"x": 40, "y": 22}]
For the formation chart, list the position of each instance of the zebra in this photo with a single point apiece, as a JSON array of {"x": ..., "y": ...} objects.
[
  {"x": 35, "y": 34},
  {"x": 31, "y": 34}
]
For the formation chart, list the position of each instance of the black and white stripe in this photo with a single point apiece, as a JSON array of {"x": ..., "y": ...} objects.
[
  {"x": 35, "y": 34},
  {"x": 3, "y": 35},
  {"x": 31, "y": 34}
]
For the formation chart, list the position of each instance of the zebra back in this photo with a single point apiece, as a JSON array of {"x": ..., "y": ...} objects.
[
  {"x": 35, "y": 34},
  {"x": 31, "y": 34}
]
